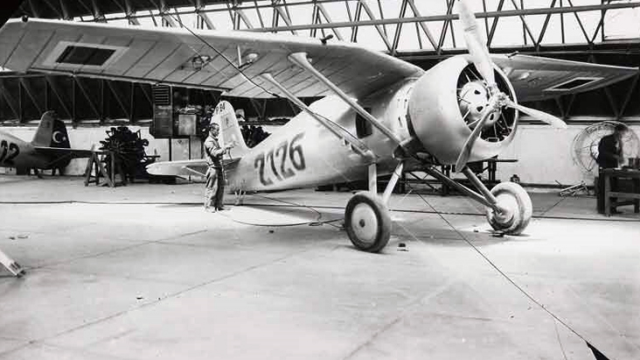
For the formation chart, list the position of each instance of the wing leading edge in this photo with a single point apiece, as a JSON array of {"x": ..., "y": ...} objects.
[
  {"x": 233, "y": 61},
  {"x": 210, "y": 60},
  {"x": 539, "y": 78}
]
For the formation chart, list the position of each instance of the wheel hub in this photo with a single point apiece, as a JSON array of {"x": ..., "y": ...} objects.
[
  {"x": 508, "y": 205},
  {"x": 366, "y": 222}
]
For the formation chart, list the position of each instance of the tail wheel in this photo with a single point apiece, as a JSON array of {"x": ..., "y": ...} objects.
[
  {"x": 367, "y": 222},
  {"x": 515, "y": 199}
]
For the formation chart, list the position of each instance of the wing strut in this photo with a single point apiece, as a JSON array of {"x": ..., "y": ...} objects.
[
  {"x": 356, "y": 145},
  {"x": 301, "y": 60}
]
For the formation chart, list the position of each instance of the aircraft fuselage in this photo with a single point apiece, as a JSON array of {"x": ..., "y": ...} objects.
[
  {"x": 15, "y": 152},
  {"x": 304, "y": 153}
]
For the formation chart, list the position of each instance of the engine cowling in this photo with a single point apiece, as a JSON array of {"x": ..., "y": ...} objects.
[{"x": 447, "y": 101}]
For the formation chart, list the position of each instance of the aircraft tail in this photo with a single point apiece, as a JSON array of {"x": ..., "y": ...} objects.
[
  {"x": 225, "y": 116},
  {"x": 51, "y": 132}
]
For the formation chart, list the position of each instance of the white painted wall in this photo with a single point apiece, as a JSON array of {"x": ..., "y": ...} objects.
[
  {"x": 84, "y": 138},
  {"x": 543, "y": 153},
  {"x": 544, "y": 156}
]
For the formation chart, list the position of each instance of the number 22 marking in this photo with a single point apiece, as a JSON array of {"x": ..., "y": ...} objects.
[{"x": 8, "y": 147}]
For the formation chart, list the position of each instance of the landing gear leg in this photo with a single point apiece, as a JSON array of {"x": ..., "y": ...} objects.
[
  {"x": 367, "y": 219},
  {"x": 509, "y": 207}
]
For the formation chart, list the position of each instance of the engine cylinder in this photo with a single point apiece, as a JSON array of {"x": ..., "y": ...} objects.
[{"x": 437, "y": 112}]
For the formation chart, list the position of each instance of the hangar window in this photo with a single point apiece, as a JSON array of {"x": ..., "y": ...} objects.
[
  {"x": 363, "y": 127},
  {"x": 573, "y": 84},
  {"x": 84, "y": 55}
]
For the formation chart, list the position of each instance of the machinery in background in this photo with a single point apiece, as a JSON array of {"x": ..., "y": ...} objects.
[
  {"x": 121, "y": 153},
  {"x": 127, "y": 149},
  {"x": 584, "y": 148},
  {"x": 584, "y": 151}
]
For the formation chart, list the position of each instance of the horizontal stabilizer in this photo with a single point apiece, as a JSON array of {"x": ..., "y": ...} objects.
[{"x": 196, "y": 167}]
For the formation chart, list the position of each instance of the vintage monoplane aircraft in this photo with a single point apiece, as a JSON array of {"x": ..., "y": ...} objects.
[
  {"x": 49, "y": 149},
  {"x": 378, "y": 115}
]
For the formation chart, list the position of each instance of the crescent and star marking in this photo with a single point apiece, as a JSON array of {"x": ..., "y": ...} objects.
[{"x": 53, "y": 137}]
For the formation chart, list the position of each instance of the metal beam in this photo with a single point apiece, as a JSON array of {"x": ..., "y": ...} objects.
[
  {"x": 84, "y": 92},
  {"x": 524, "y": 23},
  {"x": 279, "y": 13},
  {"x": 628, "y": 97},
  {"x": 544, "y": 26},
  {"x": 482, "y": 15},
  {"x": 27, "y": 89},
  {"x": 445, "y": 26},
  {"x": 396, "y": 37},
  {"x": 10, "y": 101},
  {"x": 494, "y": 24},
  {"x": 584, "y": 32},
  {"x": 356, "y": 18},
  {"x": 423, "y": 26},
  {"x": 131, "y": 13},
  {"x": 327, "y": 18},
  {"x": 381, "y": 30},
  {"x": 114, "y": 92}
]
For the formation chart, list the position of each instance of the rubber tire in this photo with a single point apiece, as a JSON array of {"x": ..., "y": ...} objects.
[
  {"x": 514, "y": 194},
  {"x": 366, "y": 201}
]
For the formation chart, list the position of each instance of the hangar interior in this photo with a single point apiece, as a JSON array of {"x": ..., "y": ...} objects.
[
  {"x": 141, "y": 272},
  {"x": 602, "y": 32}
]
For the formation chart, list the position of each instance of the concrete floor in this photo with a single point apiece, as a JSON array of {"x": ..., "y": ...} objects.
[{"x": 141, "y": 272}]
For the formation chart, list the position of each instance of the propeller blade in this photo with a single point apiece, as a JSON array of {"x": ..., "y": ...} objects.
[
  {"x": 476, "y": 46},
  {"x": 468, "y": 145},
  {"x": 538, "y": 115}
]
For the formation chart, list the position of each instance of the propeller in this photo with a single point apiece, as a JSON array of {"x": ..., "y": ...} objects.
[
  {"x": 537, "y": 114},
  {"x": 482, "y": 62},
  {"x": 468, "y": 145},
  {"x": 475, "y": 45}
]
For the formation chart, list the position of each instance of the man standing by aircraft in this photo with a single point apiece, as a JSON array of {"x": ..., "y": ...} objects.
[{"x": 214, "y": 188}]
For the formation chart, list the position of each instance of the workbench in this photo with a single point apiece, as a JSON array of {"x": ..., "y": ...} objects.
[{"x": 632, "y": 197}]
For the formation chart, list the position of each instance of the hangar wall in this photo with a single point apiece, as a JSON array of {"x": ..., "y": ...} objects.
[
  {"x": 543, "y": 153},
  {"x": 544, "y": 156},
  {"x": 84, "y": 138}
]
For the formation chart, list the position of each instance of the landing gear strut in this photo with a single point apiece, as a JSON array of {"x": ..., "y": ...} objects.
[
  {"x": 367, "y": 219},
  {"x": 509, "y": 206},
  {"x": 368, "y": 223}
]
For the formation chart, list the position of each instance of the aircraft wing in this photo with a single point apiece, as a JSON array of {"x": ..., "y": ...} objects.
[
  {"x": 539, "y": 78},
  {"x": 185, "y": 167},
  {"x": 209, "y": 60}
]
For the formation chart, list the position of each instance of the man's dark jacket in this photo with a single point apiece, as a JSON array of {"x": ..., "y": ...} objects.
[{"x": 608, "y": 152}]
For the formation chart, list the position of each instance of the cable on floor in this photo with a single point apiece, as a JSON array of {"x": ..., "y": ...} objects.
[{"x": 505, "y": 276}]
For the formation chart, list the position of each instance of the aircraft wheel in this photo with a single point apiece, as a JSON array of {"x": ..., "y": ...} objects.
[
  {"x": 519, "y": 209},
  {"x": 367, "y": 222}
]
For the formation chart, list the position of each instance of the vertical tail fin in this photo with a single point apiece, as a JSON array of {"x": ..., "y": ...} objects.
[
  {"x": 51, "y": 132},
  {"x": 225, "y": 115}
]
